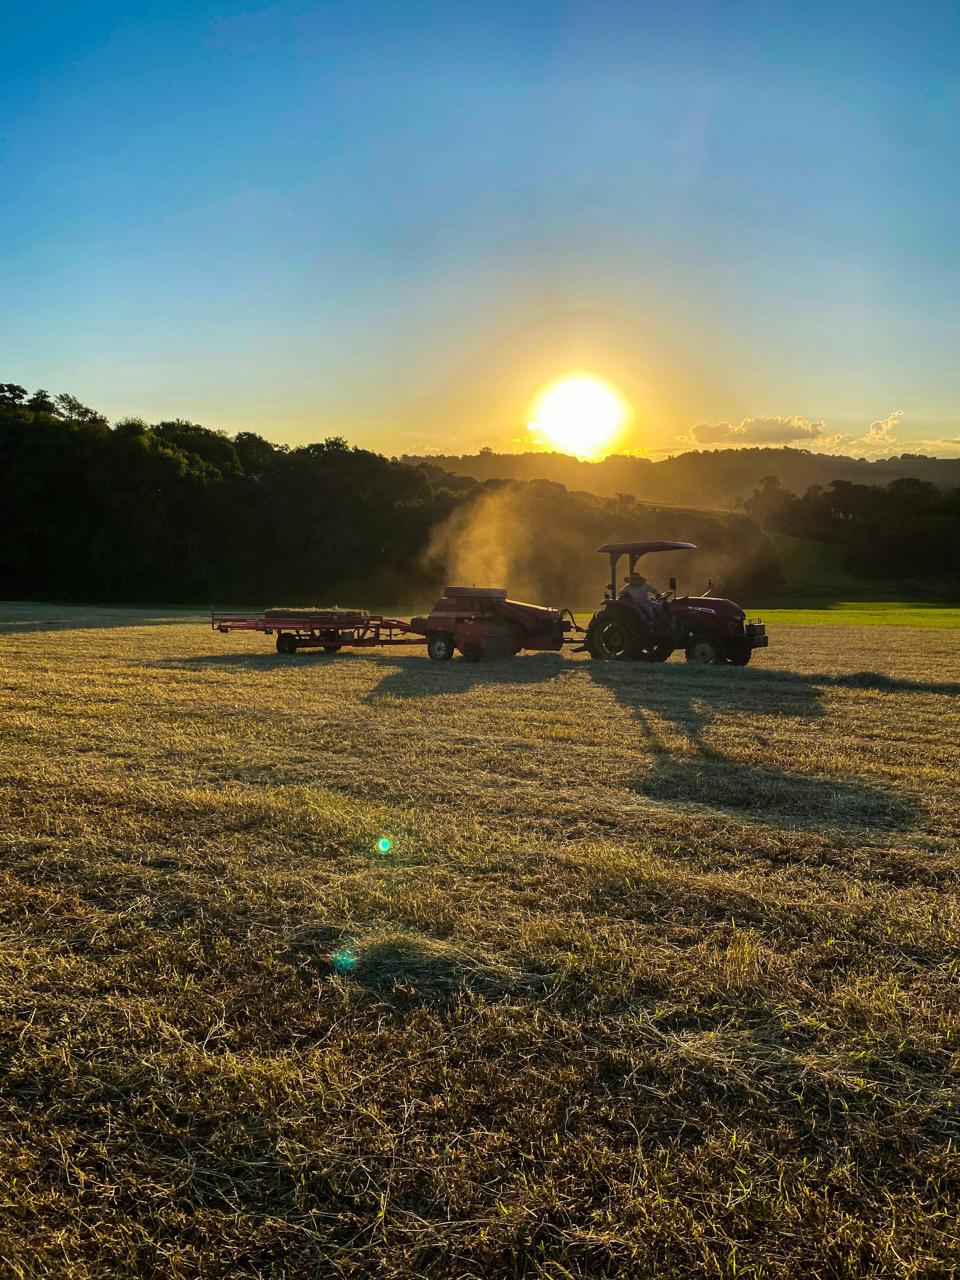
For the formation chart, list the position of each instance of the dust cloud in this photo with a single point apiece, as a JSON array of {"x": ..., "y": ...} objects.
[
  {"x": 511, "y": 537},
  {"x": 539, "y": 541}
]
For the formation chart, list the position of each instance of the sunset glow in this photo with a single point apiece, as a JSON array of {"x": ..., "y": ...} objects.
[{"x": 579, "y": 414}]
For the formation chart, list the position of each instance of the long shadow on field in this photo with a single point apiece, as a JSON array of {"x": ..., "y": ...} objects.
[
  {"x": 665, "y": 701},
  {"x": 412, "y": 677},
  {"x": 681, "y": 699},
  {"x": 406, "y": 675},
  {"x": 409, "y": 968},
  {"x": 688, "y": 700},
  {"x": 268, "y": 660},
  {"x": 881, "y": 683},
  {"x": 14, "y": 621}
]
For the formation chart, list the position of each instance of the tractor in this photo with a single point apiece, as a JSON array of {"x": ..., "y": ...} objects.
[
  {"x": 709, "y": 629},
  {"x": 483, "y": 622}
]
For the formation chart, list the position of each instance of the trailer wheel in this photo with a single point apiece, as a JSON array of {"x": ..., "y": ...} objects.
[
  {"x": 440, "y": 646},
  {"x": 286, "y": 642},
  {"x": 332, "y": 648},
  {"x": 705, "y": 651}
]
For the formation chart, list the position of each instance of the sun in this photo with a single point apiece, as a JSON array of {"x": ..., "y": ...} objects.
[{"x": 579, "y": 414}]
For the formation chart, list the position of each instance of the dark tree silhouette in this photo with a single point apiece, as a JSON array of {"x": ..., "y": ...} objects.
[
  {"x": 175, "y": 512},
  {"x": 909, "y": 528}
]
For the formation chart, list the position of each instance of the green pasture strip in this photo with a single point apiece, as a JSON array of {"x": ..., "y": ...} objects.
[
  {"x": 850, "y": 613},
  {"x": 862, "y": 613}
]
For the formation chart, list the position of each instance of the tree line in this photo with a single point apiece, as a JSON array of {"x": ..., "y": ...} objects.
[
  {"x": 174, "y": 512},
  {"x": 719, "y": 479},
  {"x": 908, "y": 529}
]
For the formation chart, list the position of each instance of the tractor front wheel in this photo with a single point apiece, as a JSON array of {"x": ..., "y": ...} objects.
[
  {"x": 286, "y": 642},
  {"x": 706, "y": 651},
  {"x": 440, "y": 646}
]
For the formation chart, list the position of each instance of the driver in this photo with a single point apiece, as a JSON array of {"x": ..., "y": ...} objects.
[{"x": 644, "y": 597}]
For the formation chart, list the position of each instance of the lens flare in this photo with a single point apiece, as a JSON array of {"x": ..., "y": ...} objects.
[
  {"x": 344, "y": 960},
  {"x": 580, "y": 414},
  {"x": 384, "y": 844}
]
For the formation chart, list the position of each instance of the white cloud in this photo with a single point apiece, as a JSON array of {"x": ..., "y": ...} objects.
[
  {"x": 705, "y": 433},
  {"x": 882, "y": 431},
  {"x": 753, "y": 431},
  {"x": 835, "y": 444},
  {"x": 879, "y": 439},
  {"x": 944, "y": 447}
]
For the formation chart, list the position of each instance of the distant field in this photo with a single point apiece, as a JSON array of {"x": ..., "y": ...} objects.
[
  {"x": 863, "y": 613},
  {"x": 849, "y": 613},
  {"x": 363, "y": 965},
  {"x": 812, "y": 569}
]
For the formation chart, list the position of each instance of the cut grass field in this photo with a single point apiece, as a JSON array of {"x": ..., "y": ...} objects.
[{"x": 657, "y": 975}]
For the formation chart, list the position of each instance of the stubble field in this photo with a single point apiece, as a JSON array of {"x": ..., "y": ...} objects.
[{"x": 658, "y": 975}]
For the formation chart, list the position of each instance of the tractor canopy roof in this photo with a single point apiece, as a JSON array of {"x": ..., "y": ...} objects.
[{"x": 641, "y": 548}]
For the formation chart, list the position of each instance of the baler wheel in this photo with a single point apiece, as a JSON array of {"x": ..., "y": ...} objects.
[
  {"x": 286, "y": 642},
  {"x": 472, "y": 653},
  {"x": 440, "y": 646}
]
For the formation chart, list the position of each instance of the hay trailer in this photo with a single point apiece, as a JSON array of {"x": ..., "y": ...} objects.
[{"x": 328, "y": 629}]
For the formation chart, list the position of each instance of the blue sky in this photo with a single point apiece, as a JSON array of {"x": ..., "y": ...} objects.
[{"x": 398, "y": 221}]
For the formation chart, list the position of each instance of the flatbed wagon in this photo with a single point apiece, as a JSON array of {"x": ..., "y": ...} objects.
[{"x": 327, "y": 629}]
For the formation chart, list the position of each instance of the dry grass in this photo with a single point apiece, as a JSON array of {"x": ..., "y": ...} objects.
[{"x": 658, "y": 978}]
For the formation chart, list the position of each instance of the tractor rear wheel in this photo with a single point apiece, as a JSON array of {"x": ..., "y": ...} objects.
[
  {"x": 286, "y": 642},
  {"x": 706, "y": 651},
  {"x": 440, "y": 646},
  {"x": 614, "y": 635}
]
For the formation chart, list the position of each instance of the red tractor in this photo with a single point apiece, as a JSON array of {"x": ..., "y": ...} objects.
[{"x": 642, "y": 624}]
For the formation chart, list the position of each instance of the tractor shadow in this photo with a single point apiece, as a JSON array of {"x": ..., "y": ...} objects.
[
  {"x": 268, "y": 661},
  {"x": 666, "y": 702},
  {"x": 411, "y": 676},
  {"x": 676, "y": 700}
]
